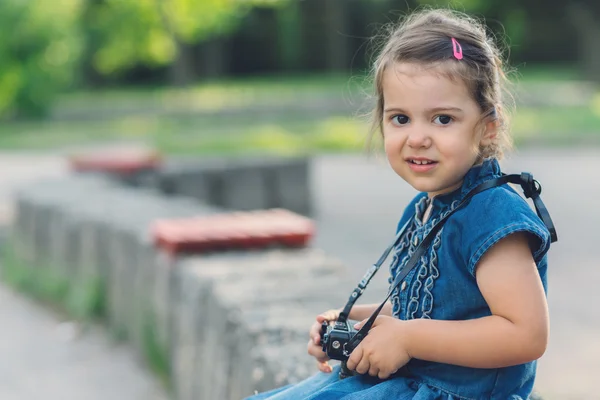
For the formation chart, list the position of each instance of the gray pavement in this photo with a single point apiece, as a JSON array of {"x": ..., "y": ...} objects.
[
  {"x": 358, "y": 202},
  {"x": 44, "y": 357}
]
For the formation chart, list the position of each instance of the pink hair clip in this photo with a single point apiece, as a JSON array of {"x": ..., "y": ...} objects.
[{"x": 457, "y": 49}]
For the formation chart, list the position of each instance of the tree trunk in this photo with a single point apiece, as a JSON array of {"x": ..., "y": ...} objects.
[
  {"x": 290, "y": 37},
  {"x": 587, "y": 25},
  {"x": 181, "y": 71},
  {"x": 212, "y": 58},
  {"x": 336, "y": 34}
]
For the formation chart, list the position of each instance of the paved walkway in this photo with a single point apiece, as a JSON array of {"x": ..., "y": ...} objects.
[
  {"x": 358, "y": 202},
  {"x": 43, "y": 358}
]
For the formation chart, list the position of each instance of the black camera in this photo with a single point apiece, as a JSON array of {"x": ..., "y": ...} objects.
[
  {"x": 338, "y": 341},
  {"x": 335, "y": 339}
]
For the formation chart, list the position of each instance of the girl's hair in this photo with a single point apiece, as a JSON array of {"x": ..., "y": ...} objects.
[{"x": 425, "y": 37}]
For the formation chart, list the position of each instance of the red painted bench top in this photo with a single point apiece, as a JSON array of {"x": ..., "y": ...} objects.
[
  {"x": 116, "y": 161},
  {"x": 235, "y": 230}
]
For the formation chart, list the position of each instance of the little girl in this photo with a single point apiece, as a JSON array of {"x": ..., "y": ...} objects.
[{"x": 471, "y": 319}]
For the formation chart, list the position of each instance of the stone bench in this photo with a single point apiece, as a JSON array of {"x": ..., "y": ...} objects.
[
  {"x": 219, "y": 324},
  {"x": 242, "y": 184}
]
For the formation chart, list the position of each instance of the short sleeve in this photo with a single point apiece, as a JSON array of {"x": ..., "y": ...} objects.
[
  {"x": 493, "y": 215},
  {"x": 409, "y": 211}
]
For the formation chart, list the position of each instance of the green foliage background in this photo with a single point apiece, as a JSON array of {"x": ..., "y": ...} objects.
[
  {"x": 42, "y": 42},
  {"x": 40, "y": 49}
]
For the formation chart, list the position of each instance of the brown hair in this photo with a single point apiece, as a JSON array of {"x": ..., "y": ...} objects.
[{"x": 424, "y": 37}]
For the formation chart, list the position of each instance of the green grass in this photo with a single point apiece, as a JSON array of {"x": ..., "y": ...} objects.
[
  {"x": 556, "y": 122},
  {"x": 527, "y": 73},
  {"x": 240, "y": 93},
  {"x": 294, "y": 135},
  {"x": 42, "y": 282},
  {"x": 262, "y": 115},
  {"x": 290, "y": 134},
  {"x": 217, "y": 95},
  {"x": 156, "y": 356},
  {"x": 243, "y": 92},
  {"x": 194, "y": 134}
]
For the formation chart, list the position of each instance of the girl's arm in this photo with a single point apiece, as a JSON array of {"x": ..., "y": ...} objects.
[
  {"x": 364, "y": 311},
  {"x": 515, "y": 333}
]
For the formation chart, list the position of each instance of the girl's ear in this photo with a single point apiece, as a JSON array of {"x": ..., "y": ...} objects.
[{"x": 490, "y": 132}]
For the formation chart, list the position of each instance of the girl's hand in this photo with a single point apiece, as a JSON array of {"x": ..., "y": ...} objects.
[
  {"x": 383, "y": 351},
  {"x": 314, "y": 344}
]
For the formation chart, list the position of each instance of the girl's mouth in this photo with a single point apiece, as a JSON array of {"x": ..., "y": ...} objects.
[
  {"x": 421, "y": 165},
  {"x": 421, "y": 162}
]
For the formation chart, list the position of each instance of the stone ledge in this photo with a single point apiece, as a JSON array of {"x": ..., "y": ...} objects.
[
  {"x": 214, "y": 324},
  {"x": 250, "y": 183}
]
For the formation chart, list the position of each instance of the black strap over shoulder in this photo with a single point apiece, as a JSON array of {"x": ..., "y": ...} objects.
[{"x": 531, "y": 188}]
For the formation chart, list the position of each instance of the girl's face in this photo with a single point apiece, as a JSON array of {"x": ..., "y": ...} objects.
[{"x": 430, "y": 127}]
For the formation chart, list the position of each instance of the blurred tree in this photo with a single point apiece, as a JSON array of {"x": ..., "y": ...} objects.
[
  {"x": 39, "y": 51},
  {"x": 162, "y": 32},
  {"x": 585, "y": 17},
  {"x": 289, "y": 39}
]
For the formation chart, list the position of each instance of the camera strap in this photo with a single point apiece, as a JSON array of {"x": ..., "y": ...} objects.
[{"x": 531, "y": 188}]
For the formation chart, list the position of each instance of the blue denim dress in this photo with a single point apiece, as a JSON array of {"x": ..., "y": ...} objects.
[{"x": 443, "y": 287}]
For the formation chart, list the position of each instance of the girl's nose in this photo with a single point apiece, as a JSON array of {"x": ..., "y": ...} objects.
[{"x": 418, "y": 138}]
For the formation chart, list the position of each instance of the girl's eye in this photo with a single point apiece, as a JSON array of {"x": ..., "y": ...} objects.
[
  {"x": 400, "y": 119},
  {"x": 442, "y": 119}
]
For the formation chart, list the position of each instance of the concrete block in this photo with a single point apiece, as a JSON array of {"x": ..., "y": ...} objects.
[
  {"x": 284, "y": 316},
  {"x": 88, "y": 283},
  {"x": 135, "y": 285},
  {"x": 245, "y": 188},
  {"x": 187, "y": 182},
  {"x": 289, "y": 184},
  {"x": 143, "y": 319},
  {"x": 23, "y": 229},
  {"x": 163, "y": 268},
  {"x": 189, "y": 326},
  {"x": 43, "y": 198},
  {"x": 247, "y": 183},
  {"x": 280, "y": 328},
  {"x": 130, "y": 219},
  {"x": 236, "y": 283},
  {"x": 137, "y": 281},
  {"x": 198, "y": 179}
]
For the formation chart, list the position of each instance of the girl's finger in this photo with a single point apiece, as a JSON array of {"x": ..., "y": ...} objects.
[
  {"x": 317, "y": 352},
  {"x": 355, "y": 358},
  {"x": 363, "y": 366},
  {"x": 315, "y": 334},
  {"x": 384, "y": 375},
  {"x": 360, "y": 324},
  {"x": 324, "y": 367},
  {"x": 373, "y": 370},
  {"x": 325, "y": 317}
]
